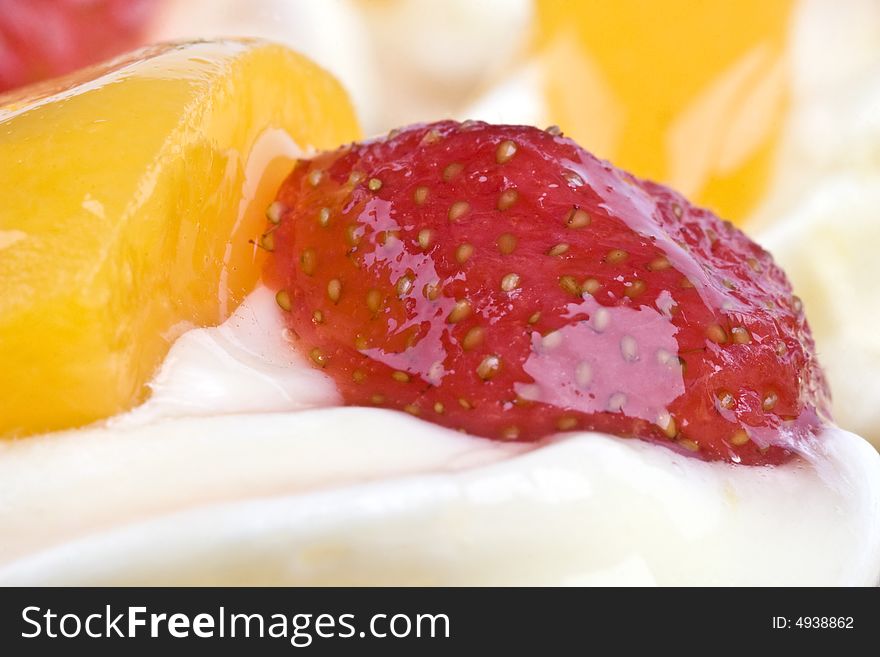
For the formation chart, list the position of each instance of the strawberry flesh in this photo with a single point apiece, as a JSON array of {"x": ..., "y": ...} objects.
[
  {"x": 44, "y": 38},
  {"x": 502, "y": 281}
]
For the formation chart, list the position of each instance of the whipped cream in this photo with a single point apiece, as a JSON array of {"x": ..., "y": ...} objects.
[{"x": 242, "y": 468}]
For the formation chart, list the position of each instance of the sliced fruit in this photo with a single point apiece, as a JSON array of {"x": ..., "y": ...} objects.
[
  {"x": 43, "y": 38},
  {"x": 689, "y": 93},
  {"x": 129, "y": 195},
  {"x": 503, "y": 281}
]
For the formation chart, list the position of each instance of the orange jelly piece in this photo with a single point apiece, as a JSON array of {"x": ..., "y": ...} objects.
[
  {"x": 691, "y": 94},
  {"x": 130, "y": 195}
]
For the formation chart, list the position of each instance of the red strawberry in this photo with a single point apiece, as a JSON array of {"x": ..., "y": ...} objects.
[
  {"x": 44, "y": 38},
  {"x": 503, "y": 281}
]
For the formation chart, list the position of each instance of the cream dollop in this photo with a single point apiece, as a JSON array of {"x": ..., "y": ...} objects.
[{"x": 242, "y": 469}]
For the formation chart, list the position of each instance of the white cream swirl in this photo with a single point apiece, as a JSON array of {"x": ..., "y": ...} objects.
[{"x": 241, "y": 469}]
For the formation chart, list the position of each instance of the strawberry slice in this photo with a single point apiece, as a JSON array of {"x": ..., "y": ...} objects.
[
  {"x": 43, "y": 38},
  {"x": 502, "y": 281}
]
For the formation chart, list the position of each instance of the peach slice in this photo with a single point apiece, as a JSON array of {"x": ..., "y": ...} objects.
[
  {"x": 130, "y": 196},
  {"x": 693, "y": 94}
]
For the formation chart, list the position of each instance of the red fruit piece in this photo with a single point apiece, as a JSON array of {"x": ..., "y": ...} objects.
[
  {"x": 503, "y": 281},
  {"x": 43, "y": 38}
]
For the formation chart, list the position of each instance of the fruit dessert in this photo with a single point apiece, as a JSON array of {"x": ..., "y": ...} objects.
[
  {"x": 503, "y": 281},
  {"x": 692, "y": 95},
  {"x": 464, "y": 354},
  {"x": 762, "y": 113},
  {"x": 128, "y": 221}
]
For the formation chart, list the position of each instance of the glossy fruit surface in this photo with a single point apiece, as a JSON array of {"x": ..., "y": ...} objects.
[
  {"x": 503, "y": 281},
  {"x": 130, "y": 192}
]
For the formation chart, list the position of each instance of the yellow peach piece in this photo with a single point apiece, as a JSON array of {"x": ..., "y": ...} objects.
[
  {"x": 688, "y": 93},
  {"x": 131, "y": 194}
]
